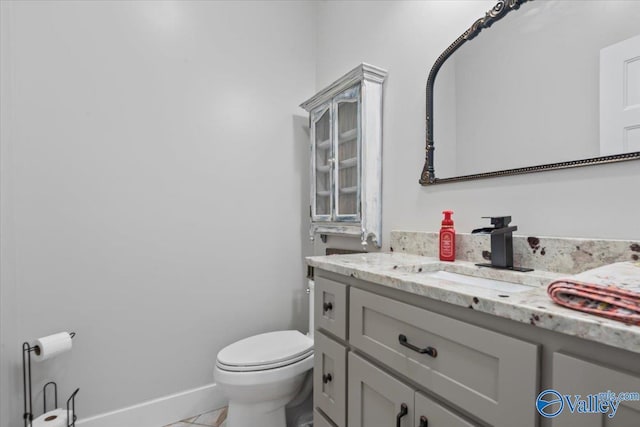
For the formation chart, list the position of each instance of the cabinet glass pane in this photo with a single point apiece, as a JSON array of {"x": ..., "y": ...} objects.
[
  {"x": 323, "y": 154},
  {"x": 347, "y": 162}
]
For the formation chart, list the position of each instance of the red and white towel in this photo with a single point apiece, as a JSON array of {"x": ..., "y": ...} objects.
[{"x": 611, "y": 291}]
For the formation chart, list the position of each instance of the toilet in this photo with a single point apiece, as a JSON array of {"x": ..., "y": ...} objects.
[{"x": 263, "y": 374}]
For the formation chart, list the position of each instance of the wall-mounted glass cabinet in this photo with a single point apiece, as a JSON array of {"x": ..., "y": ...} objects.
[{"x": 346, "y": 149}]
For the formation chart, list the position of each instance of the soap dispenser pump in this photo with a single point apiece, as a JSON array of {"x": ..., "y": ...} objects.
[{"x": 447, "y": 238}]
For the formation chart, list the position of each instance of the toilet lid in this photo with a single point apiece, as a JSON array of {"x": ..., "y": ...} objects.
[{"x": 272, "y": 348}]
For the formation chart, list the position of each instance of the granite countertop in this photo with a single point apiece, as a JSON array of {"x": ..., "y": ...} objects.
[{"x": 526, "y": 302}]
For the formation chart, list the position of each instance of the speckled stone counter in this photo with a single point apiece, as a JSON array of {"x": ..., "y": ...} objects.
[{"x": 527, "y": 302}]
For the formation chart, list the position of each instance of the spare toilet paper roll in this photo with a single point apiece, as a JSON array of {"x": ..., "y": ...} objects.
[
  {"x": 55, "y": 418},
  {"x": 50, "y": 346}
]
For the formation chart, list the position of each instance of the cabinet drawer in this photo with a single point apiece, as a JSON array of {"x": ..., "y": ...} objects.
[
  {"x": 490, "y": 375},
  {"x": 431, "y": 414},
  {"x": 330, "y": 378},
  {"x": 331, "y": 307}
]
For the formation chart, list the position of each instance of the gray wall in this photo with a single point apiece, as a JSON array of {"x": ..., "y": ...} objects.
[
  {"x": 154, "y": 174},
  {"x": 406, "y": 38}
]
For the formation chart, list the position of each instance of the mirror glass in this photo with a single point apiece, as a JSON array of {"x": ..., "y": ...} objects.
[{"x": 552, "y": 81}]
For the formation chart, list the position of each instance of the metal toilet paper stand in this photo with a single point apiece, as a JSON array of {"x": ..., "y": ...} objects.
[{"x": 27, "y": 349}]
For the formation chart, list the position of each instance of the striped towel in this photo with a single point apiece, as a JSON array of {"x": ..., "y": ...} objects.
[{"x": 611, "y": 291}]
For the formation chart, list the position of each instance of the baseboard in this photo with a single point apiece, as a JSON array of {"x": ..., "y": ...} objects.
[{"x": 162, "y": 411}]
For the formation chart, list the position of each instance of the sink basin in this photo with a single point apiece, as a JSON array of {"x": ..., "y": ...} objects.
[
  {"x": 462, "y": 279},
  {"x": 415, "y": 268},
  {"x": 469, "y": 274}
]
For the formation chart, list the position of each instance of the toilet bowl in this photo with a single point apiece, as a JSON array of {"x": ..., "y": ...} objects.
[{"x": 261, "y": 374}]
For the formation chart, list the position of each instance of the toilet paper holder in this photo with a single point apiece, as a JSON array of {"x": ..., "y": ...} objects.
[{"x": 27, "y": 349}]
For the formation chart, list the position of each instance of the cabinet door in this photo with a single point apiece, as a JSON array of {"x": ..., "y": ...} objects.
[
  {"x": 573, "y": 377},
  {"x": 432, "y": 414},
  {"x": 347, "y": 144},
  {"x": 330, "y": 378},
  {"x": 376, "y": 399},
  {"x": 321, "y": 164}
]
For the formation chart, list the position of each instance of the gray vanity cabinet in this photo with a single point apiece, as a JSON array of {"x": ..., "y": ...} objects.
[
  {"x": 367, "y": 343},
  {"x": 575, "y": 376},
  {"x": 490, "y": 375}
]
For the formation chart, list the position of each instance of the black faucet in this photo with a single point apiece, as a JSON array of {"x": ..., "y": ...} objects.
[{"x": 501, "y": 243}]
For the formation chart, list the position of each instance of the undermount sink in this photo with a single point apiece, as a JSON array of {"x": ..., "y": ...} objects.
[
  {"x": 415, "y": 268},
  {"x": 470, "y": 275},
  {"x": 463, "y": 279}
]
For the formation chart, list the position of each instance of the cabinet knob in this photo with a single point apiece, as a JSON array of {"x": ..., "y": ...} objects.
[
  {"x": 327, "y": 306},
  {"x": 326, "y": 378},
  {"x": 424, "y": 422}
]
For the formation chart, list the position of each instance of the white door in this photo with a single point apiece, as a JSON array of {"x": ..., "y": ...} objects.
[{"x": 620, "y": 97}]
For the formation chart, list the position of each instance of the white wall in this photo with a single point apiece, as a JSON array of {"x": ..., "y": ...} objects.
[
  {"x": 154, "y": 176},
  {"x": 406, "y": 38},
  {"x": 154, "y": 179}
]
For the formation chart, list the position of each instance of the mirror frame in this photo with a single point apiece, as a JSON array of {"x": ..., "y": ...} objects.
[{"x": 428, "y": 176}]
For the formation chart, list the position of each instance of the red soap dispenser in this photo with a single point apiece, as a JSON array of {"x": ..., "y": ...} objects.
[{"x": 447, "y": 238}]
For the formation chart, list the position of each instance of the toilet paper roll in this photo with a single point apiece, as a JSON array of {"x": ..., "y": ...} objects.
[
  {"x": 55, "y": 418},
  {"x": 50, "y": 346}
]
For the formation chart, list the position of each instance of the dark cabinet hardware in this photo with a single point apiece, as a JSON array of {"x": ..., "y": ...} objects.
[
  {"x": 327, "y": 378},
  {"x": 424, "y": 422},
  {"x": 427, "y": 350},
  {"x": 404, "y": 410},
  {"x": 327, "y": 306}
]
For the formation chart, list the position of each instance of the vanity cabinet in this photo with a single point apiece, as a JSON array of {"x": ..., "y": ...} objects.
[
  {"x": 393, "y": 356},
  {"x": 575, "y": 376},
  {"x": 345, "y": 121}
]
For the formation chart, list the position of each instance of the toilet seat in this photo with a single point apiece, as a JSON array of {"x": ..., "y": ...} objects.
[{"x": 265, "y": 351}]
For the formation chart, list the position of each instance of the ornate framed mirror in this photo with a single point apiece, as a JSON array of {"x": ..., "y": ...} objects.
[{"x": 553, "y": 84}]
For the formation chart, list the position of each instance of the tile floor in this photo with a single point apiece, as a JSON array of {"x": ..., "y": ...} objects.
[{"x": 215, "y": 418}]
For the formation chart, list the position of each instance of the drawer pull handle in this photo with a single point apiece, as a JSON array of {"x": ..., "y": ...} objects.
[
  {"x": 404, "y": 410},
  {"x": 327, "y": 306},
  {"x": 327, "y": 378},
  {"x": 428, "y": 350},
  {"x": 424, "y": 422}
]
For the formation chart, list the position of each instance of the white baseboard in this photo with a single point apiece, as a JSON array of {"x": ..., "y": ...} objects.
[{"x": 162, "y": 411}]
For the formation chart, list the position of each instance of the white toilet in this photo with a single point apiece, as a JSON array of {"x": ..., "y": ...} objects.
[{"x": 262, "y": 374}]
